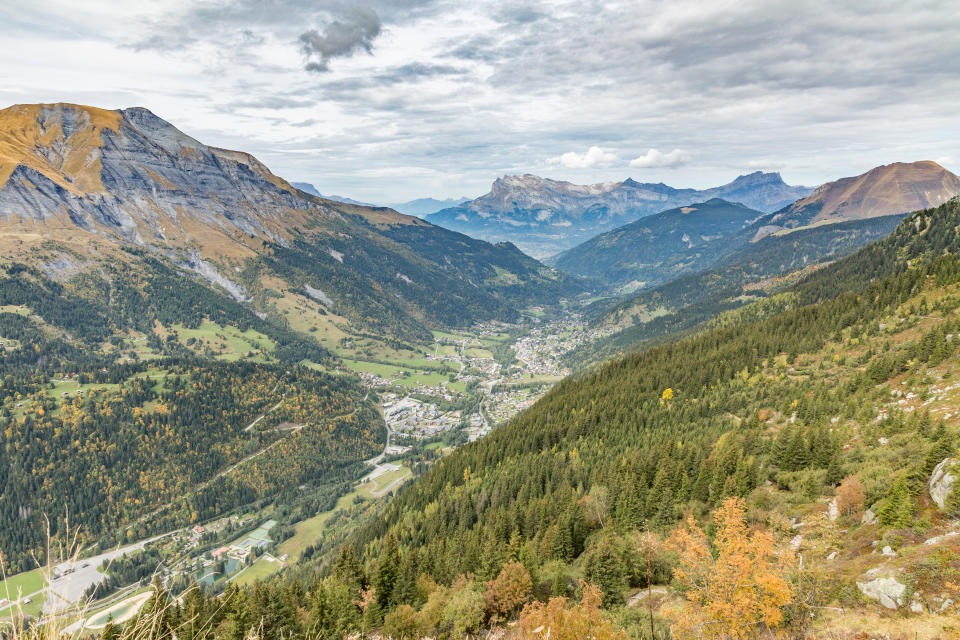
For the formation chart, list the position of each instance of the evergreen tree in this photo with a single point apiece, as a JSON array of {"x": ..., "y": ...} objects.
[
  {"x": 386, "y": 573},
  {"x": 897, "y": 511}
]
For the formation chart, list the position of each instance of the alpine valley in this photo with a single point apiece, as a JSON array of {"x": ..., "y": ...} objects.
[{"x": 233, "y": 408}]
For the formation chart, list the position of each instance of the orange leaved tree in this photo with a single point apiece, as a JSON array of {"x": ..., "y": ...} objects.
[
  {"x": 509, "y": 590},
  {"x": 737, "y": 589},
  {"x": 562, "y": 620}
]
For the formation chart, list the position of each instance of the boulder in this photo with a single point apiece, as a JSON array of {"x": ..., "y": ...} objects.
[
  {"x": 832, "y": 511},
  {"x": 888, "y": 551},
  {"x": 941, "y": 482},
  {"x": 869, "y": 517},
  {"x": 887, "y": 591}
]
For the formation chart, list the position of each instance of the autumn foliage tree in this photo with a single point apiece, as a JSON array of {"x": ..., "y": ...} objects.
[
  {"x": 560, "y": 619},
  {"x": 737, "y": 588},
  {"x": 850, "y": 496},
  {"x": 507, "y": 592}
]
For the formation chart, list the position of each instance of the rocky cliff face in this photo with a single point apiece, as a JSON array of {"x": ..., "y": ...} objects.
[
  {"x": 544, "y": 216},
  {"x": 132, "y": 175},
  {"x": 942, "y": 482}
]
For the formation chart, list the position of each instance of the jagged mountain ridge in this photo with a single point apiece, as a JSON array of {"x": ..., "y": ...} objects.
[
  {"x": 545, "y": 217},
  {"x": 94, "y": 181}
]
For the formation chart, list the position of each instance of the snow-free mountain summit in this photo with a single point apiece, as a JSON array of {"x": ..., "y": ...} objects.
[{"x": 544, "y": 217}]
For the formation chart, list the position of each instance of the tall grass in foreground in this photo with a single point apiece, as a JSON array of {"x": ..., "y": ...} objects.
[{"x": 16, "y": 624}]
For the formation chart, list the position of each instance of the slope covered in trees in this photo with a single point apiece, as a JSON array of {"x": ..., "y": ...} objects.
[
  {"x": 168, "y": 445},
  {"x": 806, "y": 426},
  {"x": 662, "y": 246},
  {"x": 796, "y": 397},
  {"x": 752, "y": 271}
]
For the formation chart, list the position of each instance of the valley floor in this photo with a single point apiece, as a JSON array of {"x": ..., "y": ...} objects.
[{"x": 433, "y": 400}]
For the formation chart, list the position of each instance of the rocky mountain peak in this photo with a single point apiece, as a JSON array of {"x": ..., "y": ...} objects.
[{"x": 759, "y": 178}]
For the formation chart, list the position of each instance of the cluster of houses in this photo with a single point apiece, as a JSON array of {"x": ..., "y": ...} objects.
[{"x": 419, "y": 419}]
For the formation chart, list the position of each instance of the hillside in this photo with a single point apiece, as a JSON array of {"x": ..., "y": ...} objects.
[
  {"x": 848, "y": 378},
  {"x": 753, "y": 271},
  {"x": 175, "y": 323},
  {"x": 80, "y": 183},
  {"x": 807, "y": 442},
  {"x": 896, "y": 188},
  {"x": 544, "y": 217},
  {"x": 660, "y": 247}
]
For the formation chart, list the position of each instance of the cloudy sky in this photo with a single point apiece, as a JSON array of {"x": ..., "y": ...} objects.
[{"x": 388, "y": 100}]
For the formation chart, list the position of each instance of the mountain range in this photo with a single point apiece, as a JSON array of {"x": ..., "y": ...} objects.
[
  {"x": 130, "y": 247},
  {"x": 81, "y": 184},
  {"x": 661, "y": 247},
  {"x": 174, "y": 321},
  {"x": 765, "y": 254},
  {"x": 544, "y": 217}
]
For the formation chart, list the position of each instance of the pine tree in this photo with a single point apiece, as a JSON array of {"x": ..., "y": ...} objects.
[
  {"x": 348, "y": 569},
  {"x": 897, "y": 512},
  {"x": 387, "y": 571},
  {"x": 604, "y": 567}
]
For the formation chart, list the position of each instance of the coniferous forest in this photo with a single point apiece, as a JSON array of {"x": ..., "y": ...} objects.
[{"x": 806, "y": 425}]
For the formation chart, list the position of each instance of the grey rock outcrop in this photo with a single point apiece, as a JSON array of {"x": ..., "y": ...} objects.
[
  {"x": 887, "y": 591},
  {"x": 138, "y": 177},
  {"x": 942, "y": 481}
]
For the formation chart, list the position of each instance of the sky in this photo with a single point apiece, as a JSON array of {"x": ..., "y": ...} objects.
[{"x": 390, "y": 100}]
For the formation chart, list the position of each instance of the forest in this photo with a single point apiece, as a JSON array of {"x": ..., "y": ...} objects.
[
  {"x": 677, "y": 465},
  {"x": 156, "y": 447}
]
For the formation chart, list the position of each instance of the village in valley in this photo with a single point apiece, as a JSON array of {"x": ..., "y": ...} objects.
[{"x": 433, "y": 399}]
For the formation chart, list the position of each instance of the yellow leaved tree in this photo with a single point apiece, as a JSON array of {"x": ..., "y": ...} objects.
[{"x": 738, "y": 589}]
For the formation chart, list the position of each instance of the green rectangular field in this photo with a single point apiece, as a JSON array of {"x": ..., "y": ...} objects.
[
  {"x": 428, "y": 379},
  {"x": 383, "y": 370},
  {"x": 22, "y": 583},
  {"x": 259, "y": 570},
  {"x": 308, "y": 531}
]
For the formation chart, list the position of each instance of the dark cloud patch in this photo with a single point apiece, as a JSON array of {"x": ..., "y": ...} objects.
[
  {"x": 479, "y": 48},
  {"x": 356, "y": 31},
  {"x": 518, "y": 13}
]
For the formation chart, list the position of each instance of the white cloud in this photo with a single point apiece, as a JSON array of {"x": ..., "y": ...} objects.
[
  {"x": 594, "y": 157},
  {"x": 471, "y": 90},
  {"x": 657, "y": 159}
]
